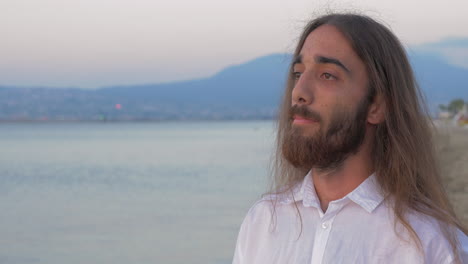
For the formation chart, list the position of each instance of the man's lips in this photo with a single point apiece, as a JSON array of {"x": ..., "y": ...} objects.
[{"x": 297, "y": 119}]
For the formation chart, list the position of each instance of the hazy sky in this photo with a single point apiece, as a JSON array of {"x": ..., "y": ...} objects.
[{"x": 93, "y": 43}]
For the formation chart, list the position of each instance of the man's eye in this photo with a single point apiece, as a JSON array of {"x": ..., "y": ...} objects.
[
  {"x": 297, "y": 75},
  {"x": 328, "y": 76}
]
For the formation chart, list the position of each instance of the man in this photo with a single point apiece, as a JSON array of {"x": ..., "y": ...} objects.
[{"x": 356, "y": 180}]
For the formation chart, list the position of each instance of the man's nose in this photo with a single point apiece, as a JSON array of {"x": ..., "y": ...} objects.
[{"x": 302, "y": 92}]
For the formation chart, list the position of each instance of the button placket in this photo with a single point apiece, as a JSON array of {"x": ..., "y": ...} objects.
[
  {"x": 321, "y": 237},
  {"x": 323, "y": 231}
]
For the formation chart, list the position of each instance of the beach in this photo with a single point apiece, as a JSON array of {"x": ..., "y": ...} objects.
[{"x": 452, "y": 150}]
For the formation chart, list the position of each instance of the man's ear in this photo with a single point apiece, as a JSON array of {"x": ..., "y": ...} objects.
[{"x": 377, "y": 110}]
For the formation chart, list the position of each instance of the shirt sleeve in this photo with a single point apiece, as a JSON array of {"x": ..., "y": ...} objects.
[
  {"x": 463, "y": 246},
  {"x": 252, "y": 231},
  {"x": 440, "y": 251},
  {"x": 242, "y": 240}
]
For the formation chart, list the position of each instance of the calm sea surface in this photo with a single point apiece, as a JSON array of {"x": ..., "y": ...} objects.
[{"x": 128, "y": 192}]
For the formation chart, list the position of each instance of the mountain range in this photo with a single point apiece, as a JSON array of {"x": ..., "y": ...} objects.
[{"x": 247, "y": 91}]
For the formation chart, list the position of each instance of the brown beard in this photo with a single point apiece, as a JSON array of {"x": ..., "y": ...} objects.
[{"x": 326, "y": 150}]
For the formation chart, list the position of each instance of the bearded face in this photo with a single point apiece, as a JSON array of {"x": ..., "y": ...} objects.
[{"x": 327, "y": 147}]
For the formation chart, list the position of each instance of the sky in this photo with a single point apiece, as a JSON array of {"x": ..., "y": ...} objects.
[{"x": 96, "y": 43}]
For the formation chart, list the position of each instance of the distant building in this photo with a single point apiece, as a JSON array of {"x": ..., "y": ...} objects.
[
  {"x": 445, "y": 115},
  {"x": 461, "y": 118}
]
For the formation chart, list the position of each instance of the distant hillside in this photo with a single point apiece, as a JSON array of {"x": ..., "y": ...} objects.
[
  {"x": 453, "y": 50},
  {"x": 256, "y": 83},
  {"x": 440, "y": 81},
  {"x": 247, "y": 91}
]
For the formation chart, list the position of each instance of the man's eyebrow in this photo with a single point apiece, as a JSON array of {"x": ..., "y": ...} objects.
[
  {"x": 322, "y": 59},
  {"x": 297, "y": 60}
]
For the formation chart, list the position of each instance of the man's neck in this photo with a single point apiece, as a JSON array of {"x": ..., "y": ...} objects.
[{"x": 335, "y": 184}]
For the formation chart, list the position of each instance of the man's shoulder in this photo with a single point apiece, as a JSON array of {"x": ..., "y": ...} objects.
[
  {"x": 424, "y": 225},
  {"x": 271, "y": 208},
  {"x": 260, "y": 209},
  {"x": 432, "y": 235}
]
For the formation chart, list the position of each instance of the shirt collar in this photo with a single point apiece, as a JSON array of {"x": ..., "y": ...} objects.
[{"x": 368, "y": 194}]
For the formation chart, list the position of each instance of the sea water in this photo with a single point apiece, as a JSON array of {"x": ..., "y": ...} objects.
[{"x": 169, "y": 192}]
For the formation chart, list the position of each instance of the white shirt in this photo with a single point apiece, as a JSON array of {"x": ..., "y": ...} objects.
[{"x": 358, "y": 228}]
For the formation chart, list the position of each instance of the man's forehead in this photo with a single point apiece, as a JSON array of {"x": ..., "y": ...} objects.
[
  {"x": 326, "y": 44},
  {"x": 326, "y": 41}
]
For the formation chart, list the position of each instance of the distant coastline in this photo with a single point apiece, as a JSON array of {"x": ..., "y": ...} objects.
[
  {"x": 137, "y": 121},
  {"x": 249, "y": 91}
]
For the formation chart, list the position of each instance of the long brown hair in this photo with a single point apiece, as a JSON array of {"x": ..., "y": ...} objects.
[{"x": 404, "y": 156}]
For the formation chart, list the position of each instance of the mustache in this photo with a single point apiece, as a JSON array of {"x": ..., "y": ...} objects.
[{"x": 304, "y": 112}]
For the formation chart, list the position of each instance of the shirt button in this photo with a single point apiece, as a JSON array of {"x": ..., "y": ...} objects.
[{"x": 324, "y": 225}]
